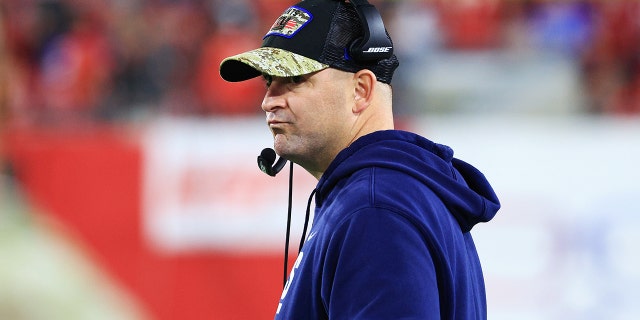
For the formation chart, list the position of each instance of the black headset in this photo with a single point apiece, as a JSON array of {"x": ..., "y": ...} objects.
[{"x": 373, "y": 46}]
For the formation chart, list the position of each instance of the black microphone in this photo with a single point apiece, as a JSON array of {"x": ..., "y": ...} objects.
[{"x": 266, "y": 159}]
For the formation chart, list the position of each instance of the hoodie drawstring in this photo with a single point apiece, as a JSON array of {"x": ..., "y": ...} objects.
[{"x": 306, "y": 220}]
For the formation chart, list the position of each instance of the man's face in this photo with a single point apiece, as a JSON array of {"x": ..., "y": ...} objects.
[{"x": 310, "y": 116}]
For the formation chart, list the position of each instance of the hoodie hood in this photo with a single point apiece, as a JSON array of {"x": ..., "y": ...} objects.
[{"x": 461, "y": 187}]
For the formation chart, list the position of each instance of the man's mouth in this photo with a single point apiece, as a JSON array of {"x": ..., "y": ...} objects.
[{"x": 276, "y": 123}]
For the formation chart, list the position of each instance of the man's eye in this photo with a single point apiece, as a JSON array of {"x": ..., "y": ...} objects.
[
  {"x": 296, "y": 79},
  {"x": 267, "y": 80}
]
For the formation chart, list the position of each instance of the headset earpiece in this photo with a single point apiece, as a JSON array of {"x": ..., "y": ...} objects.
[{"x": 375, "y": 44}]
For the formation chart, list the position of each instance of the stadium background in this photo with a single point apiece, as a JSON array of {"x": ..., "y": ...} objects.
[{"x": 129, "y": 188}]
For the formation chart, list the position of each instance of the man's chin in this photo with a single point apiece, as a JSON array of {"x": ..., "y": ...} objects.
[{"x": 280, "y": 144}]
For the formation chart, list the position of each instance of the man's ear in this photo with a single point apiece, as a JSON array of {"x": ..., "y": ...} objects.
[{"x": 365, "y": 82}]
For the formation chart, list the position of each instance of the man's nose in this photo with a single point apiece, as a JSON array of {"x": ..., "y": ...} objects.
[{"x": 273, "y": 98}]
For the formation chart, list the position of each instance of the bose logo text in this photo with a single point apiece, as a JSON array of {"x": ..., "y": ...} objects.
[{"x": 377, "y": 49}]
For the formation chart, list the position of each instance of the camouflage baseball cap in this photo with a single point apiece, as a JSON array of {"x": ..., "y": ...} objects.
[{"x": 310, "y": 36}]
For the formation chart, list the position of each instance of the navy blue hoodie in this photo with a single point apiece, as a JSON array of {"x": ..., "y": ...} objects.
[{"x": 390, "y": 236}]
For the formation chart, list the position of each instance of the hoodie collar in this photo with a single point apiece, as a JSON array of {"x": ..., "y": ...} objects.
[{"x": 463, "y": 188}]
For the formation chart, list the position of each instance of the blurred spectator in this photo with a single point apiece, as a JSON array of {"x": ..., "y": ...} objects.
[
  {"x": 4, "y": 94},
  {"x": 177, "y": 30},
  {"x": 564, "y": 27},
  {"x": 75, "y": 63},
  {"x": 75, "y": 60},
  {"x": 468, "y": 25},
  {"x": 21, "y": 39},
  {"x": 133, "y": 88},
  {"x": 414, "y": 28},
  {"x": 611, "y": 66},
  {"x": 4, "y": 71},
  {"x": 216, "y": 95},
  {"x": 236, "y": 26}
]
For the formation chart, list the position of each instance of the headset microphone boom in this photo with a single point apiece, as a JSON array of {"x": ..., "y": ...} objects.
[{"x": 266, "y": 161}]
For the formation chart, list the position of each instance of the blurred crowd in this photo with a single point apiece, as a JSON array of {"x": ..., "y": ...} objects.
[{"x": 109, "y": 60}]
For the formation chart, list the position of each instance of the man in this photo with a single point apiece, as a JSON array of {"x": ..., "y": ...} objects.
[{"x": 390, "y": 237}]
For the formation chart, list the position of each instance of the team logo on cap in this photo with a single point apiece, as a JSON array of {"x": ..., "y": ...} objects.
[{"x": 290, "y": 22}]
